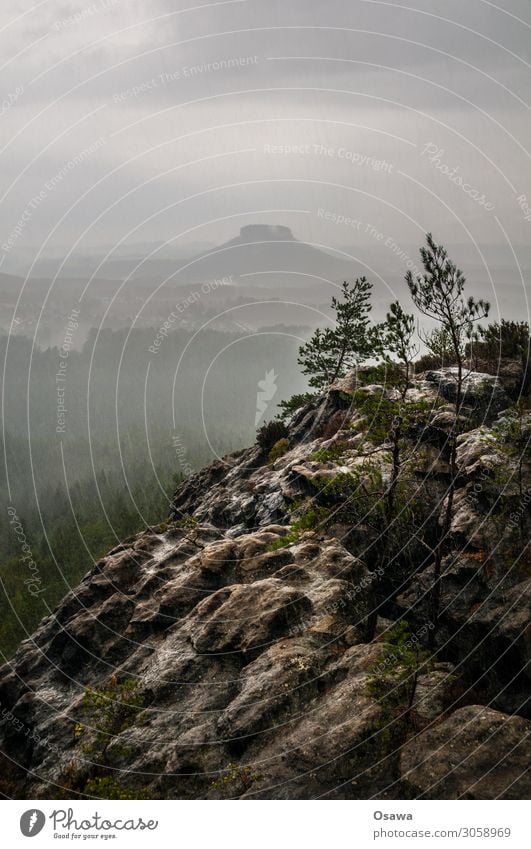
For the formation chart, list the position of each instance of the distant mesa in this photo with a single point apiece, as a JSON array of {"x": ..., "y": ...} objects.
[
  {"x": 263, "y": 233},
  {"x": 272, "y": 250}
]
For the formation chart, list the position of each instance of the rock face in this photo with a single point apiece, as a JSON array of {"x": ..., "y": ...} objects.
[
  {"x": 229, "y": 653},
  {"x": 477, "y": 753},
  {"x": 479, "y": 388}
]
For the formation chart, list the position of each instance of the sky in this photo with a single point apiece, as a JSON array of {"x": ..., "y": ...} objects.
[{"x": 354, "y": 122}]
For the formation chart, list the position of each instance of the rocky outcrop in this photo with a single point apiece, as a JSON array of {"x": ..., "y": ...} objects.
[
  {"x": 226, "y": 640},
  {"x": 479, "y": 388},
  {"x": 477, "y": 753},
  {"x": 274, "y": 639}
]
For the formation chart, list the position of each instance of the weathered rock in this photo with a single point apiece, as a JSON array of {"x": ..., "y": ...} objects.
[
  {"x": 348, "y": 383},
  {"x": 477, "y": 451},
  {"x": 244, "y": 617},
  {"x": 435, "y": 691},
  {"x": 482, "y": 626},
  {"x": 477, "y": 753},
  {"x": 223, "y": 608},
  {"x": 479, "y": 388},
  {"x": 335, "y": 748}
]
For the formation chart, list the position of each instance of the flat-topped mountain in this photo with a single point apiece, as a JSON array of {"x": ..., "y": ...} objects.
[
  {"x": 270, "y": 255},
  {"x": 262, "y": 233}
]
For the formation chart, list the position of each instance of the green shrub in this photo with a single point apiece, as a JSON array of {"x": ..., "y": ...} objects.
[
  {"x": 278, "y": 450},
  {"x": 332, "y": 454},
  {"x": 270, "y": 433},
  {"x": 187, "y": 521},
  {"x": 352, "y": 498},
  {"x": 393, "y": 678},
  {"x": 105, "y": 787},
  {"x": 510, "y": 430},
  {"x": 283, "y": 542},
  {"x": 309, "y": 517},
  {"x": 380, "y": 413},
  {"x": 505, "y": 339},
  {"x": 236, "y": 778},
  {"x": 315, "y": 518},
  {"x": 384, "y": 374},
  {"x": 108, "y": 712},
  {"x": 430, "y": 362}
]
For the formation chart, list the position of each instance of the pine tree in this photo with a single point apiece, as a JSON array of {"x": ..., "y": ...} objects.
[
  {"x": 439, "y": 343},
  {"x": 330, "y": 353},
  {"x": 397, "y": 337},
  {"x": 439, "y": 294}
]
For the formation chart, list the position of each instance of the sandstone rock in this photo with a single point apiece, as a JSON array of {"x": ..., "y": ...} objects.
[
  {"x": 349, "y": 383},
  {"x": 330, "y": 749},
  {"x": 477, "y": 753},
  {"x": 434, "y": 693},
  {"x": 479, "y": 388},
  {"x": 483, "y": 618},
  {"x": 478, "y": 450},
  {"x": 244, "y": 617}
]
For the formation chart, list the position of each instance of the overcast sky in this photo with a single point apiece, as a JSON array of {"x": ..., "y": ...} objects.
[{"x": 184, "y": 120}]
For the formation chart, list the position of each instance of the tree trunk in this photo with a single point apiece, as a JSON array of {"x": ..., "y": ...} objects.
[{"x": 448, "y": 512}]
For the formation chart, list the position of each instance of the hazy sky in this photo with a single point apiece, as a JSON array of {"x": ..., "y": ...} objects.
[{"x": 185, "y": 120}]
